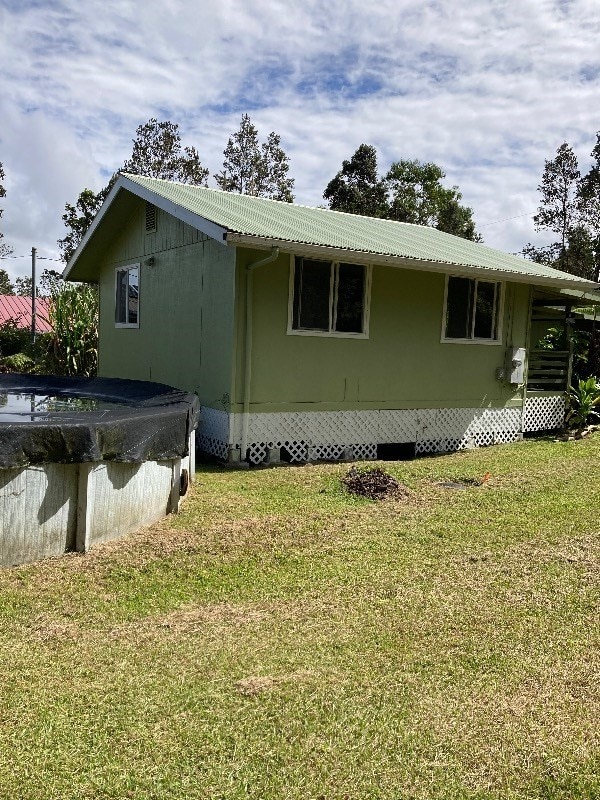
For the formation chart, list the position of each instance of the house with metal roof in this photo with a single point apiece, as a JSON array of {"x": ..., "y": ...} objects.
[
  {"x": 17, "y": 309},
  {"x": 309, "y": 333}
]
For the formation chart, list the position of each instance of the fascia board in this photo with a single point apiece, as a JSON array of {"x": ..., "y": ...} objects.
[
  {"x": 90, "y": 231},
  {"x": 205, "y": 226},
  {"x": 446, "y": 268}
]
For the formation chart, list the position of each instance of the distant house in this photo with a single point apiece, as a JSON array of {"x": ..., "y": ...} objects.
[
  {"x": 309, "y": 333},
  {"x": 18, "y": 309}
]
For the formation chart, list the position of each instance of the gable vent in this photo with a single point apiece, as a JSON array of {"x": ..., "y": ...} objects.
[{"x": 150, "y": 218}]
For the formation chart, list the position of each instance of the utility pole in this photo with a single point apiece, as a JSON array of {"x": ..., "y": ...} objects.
[{"x": 33, "y": 253}]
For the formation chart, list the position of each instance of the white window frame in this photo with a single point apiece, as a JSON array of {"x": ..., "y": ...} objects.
[
  {"x": 499, "y": 310},
  {"x": 331, "y": 333},
  {"x": 127, "y": 268}
]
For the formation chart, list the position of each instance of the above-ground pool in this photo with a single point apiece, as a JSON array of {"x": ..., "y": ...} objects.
[{"x": 85, "y": 460}]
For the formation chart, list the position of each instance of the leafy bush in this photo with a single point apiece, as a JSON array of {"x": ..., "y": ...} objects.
[
  {"x": 556, "y": 339},
  {"x": 19, "y": 362},
  {"x": 13, "y": 339},
  {"x": 583, "y": 400}
]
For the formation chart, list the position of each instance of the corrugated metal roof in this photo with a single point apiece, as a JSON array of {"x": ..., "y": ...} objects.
[
  {"x": 18, "y": 308},
  {"x": 287, "y": 222}
]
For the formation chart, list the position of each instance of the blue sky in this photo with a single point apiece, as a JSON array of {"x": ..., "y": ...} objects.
[{"x": 488, "y": 90}]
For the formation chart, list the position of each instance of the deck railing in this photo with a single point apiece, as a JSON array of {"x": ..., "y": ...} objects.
[{"x": 548, "y": 370}]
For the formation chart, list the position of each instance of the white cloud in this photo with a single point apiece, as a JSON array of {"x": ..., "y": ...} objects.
[{"x": 487, "y": 90}]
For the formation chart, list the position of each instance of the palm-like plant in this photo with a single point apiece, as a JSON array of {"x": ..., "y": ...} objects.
[{"x": 583, "y": 402}]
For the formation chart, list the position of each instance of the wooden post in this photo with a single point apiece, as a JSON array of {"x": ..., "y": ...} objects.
[
  {"x": 33, "y": 254},
  {"x": 568, "y": 326}
]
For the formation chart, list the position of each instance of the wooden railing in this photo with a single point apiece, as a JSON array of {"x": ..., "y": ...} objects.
[{"x": 548, "y": 370}]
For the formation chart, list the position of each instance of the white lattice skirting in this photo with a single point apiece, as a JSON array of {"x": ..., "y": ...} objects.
[
  {"x": 331, "y": 435},
  {"x": 544, "y": 413}
]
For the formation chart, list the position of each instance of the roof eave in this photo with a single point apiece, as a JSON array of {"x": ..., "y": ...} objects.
[
  {"x": 211, "y": 229},
  {"x": 447, "y": 268}
]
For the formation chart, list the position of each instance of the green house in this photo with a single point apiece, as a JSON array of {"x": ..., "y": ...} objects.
[{"x": 308, "y": 333}]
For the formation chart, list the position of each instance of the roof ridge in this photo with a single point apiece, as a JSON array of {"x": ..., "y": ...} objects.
[{"x": 280, "y": 202}]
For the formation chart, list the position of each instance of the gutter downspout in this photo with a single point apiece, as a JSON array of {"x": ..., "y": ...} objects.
[{"x": 248, "y": 346}]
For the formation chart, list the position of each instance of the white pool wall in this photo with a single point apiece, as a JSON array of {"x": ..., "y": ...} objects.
[{"x": 48, "y": 509}]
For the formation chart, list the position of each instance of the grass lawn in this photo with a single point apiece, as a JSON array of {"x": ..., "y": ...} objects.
[{"x": 282, "y": 639}]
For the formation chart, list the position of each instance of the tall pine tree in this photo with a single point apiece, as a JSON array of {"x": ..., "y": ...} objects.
[
  {"x": 156, "y": 153},
  {"x": 570, "y": 210},
  {"x": 256, "y": 169}
]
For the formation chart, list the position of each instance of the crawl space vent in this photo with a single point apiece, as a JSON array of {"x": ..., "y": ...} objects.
[{"x": 150, "y": 218}]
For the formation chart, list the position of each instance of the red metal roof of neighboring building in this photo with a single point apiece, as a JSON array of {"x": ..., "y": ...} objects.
[{"x": 18, "y": 308}]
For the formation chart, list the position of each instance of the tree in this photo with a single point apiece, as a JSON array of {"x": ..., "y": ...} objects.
[
  {"x": 5, "y": 250},
  {"x": 50, "y": 281},
  {"x": 410, "y": 191},
  {"x": 588, "y": 196},
  {"x": 570, "y": 209},
  {"x": 260, "y": 170},
  {"x": 78, "y": 218},
  {"x": 418, "y": 196},
  {"x": 6, "y": 286},
  {"x": 23, "y": 286},
  {"x": 357, "y": 187},
  {"x": 156, "y": 153},
  {"x": 558, "y": 211}
]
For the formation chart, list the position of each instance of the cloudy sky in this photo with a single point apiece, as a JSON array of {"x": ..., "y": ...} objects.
[{"x": 488, "y": 89}]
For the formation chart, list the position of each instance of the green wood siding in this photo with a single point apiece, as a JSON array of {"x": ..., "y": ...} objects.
[
  {"x": 403, "y": 363},
  {"x": 185, "y": 337}
]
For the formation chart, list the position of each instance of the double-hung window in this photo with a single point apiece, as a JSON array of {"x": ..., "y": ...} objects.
[
  {"x": 472, "y": 310},
  {"x": 329, "y": 298},
  {"x": 127, "y": 297}
]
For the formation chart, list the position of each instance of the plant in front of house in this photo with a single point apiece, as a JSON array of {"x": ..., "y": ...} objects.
[
  {"x": 73, "y": 316},
  {"x": 583, "y": 404},
  {"x": 556, "y": 339}
]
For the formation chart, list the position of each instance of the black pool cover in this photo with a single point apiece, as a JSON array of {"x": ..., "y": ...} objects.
[{"x": 150, "y": 422}]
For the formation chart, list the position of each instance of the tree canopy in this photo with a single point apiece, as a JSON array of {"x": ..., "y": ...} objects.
[
  {"x": 260, "y": 170},
  {"x": 156, "y": 153},
  {"x": 570, "y": 210},
  {"x": 78, "y": 218},
  {"x": 411, "y": 191},
  {"x": 357, "y": 187}
]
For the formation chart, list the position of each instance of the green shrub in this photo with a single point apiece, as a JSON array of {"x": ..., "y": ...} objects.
[
  {"x": 556, "y": 339},
  {"x": 583, "y": 401},
  {"x": 19, "y": 362},
  {"x": 13, "y": 339}
]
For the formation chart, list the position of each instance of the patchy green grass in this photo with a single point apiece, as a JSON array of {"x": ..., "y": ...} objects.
[{"x": 283, "y": 639}]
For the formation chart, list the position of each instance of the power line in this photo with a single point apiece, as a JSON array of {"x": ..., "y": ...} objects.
[
  {"x": 497, "y": 221},
  {"x": 40, "y": 258}
]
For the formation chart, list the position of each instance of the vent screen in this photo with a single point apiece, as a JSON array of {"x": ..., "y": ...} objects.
[{"x": 150, "y": 218}]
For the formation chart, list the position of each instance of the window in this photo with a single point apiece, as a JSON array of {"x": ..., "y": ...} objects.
[
  {"x": 329, "y": 298},
  {"x": 127, "y": 297},
  {"x": 472, "y": 310}
]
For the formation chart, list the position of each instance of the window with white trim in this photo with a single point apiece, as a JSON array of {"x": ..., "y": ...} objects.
[
  {"x": 472, "y": 310},
  {"x": 329, "y": 298},
  {"x": 127, "y": 296}
]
